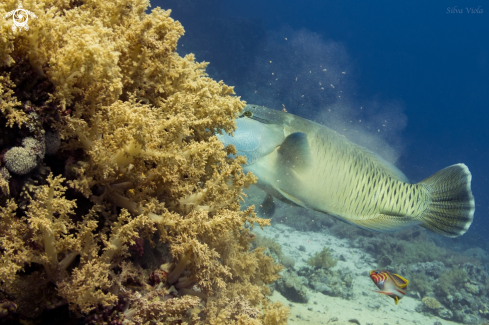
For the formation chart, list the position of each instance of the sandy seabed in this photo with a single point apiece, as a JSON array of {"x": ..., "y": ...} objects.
[{"x": 366, "y": 307}]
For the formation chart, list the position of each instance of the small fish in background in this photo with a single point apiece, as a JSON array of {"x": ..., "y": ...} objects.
[{"x": 390, "y": 284}]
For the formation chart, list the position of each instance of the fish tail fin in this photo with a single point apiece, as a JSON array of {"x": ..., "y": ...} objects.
[{"x": 452, "y": 206}]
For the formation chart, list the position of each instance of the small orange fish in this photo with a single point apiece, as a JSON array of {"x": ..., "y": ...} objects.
[{"x": 390, "y": 284}]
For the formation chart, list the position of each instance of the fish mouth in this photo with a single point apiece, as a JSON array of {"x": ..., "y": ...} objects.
[{"x": 256, "y": 118}]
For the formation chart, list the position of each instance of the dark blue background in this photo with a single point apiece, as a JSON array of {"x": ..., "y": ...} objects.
[{"x": 434, "y": 65}]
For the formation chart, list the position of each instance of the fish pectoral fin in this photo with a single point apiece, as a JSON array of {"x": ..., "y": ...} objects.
[
  {"x": 267, "y": 208},
  {"x": 390, "y": 294},
  {"x": 294, "y": 152},
  {"x": 385, "y": 222}
]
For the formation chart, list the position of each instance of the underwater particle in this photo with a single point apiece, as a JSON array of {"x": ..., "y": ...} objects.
[
  {"x": 19, "y": 160},
  {"x": 431, "y": 303},
  {"x": 53, "y": 142}
]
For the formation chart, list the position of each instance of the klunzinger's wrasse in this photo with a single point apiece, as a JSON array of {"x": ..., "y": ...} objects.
[{"x": 390, "y": 284}]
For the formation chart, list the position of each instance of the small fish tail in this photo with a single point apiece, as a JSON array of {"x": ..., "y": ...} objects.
[{"x": 452, "y": 206}]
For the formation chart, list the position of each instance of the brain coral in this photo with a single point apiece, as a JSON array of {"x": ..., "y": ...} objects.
[
  {"x": 20, "y": 160},
  {"x": 139, "y": 169}
]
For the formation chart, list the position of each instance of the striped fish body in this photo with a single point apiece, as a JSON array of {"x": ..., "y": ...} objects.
[
  {"x": 340, "y": 178},
  {"x": 390, "y": 284},
  {"x": 310, "y": 165}
]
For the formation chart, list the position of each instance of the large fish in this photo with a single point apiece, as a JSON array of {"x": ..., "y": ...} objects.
[{"x": 307, "y": 164}]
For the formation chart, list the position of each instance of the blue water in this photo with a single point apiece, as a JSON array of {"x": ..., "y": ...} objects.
[{"x": 423, "y": 65}]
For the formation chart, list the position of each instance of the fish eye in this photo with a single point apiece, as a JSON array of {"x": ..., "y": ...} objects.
[
  {"x": 376, "y": 272},
  {"x": 248, "y": 114}
]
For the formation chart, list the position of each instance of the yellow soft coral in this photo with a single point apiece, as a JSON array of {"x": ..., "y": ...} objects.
[
  {"x": 138, "y": 125},
  {"x": 8, "y": 103}
]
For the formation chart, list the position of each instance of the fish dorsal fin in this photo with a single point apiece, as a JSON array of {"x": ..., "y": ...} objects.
[
  {"x": 294, "y": 152},
  {"x": 399, "y": 280},
  {"x": 388, "y": 167}
]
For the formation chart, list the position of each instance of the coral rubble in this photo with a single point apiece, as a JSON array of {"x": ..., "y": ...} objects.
[{"x": 117, "y": 200}]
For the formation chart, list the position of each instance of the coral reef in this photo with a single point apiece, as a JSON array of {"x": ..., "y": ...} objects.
[
  {"x": 322, "y": 259},
  {"x": 293, "y": 287},
  {"x": 117, "y": 200},
  {"x": 406, "y": 247},
  {"x": 431, "y": 303},
  {"x": 458, "y": 293},
  {"x": 456, "y": 281},
  {"x": 275, "y": 250},
  {"x": 336, "y": 283}
]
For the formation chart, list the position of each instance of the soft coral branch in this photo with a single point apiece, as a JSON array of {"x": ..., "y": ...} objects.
[{"x": 49, "y": 200}]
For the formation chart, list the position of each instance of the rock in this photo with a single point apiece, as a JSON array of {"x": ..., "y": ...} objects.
[
  {"x": 292, "y": 287},
  {"x": 470, "y": 319},
  {"x": 445, "y": 313},
  {"x": 332, "y": 283},
  {"x": 287, "y": 261},
  {"x": 475, "y": 273},
  {"x": 457, "y": 296}
]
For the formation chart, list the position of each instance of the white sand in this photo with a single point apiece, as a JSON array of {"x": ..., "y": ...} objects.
[{"x": 367, "y": 307}]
